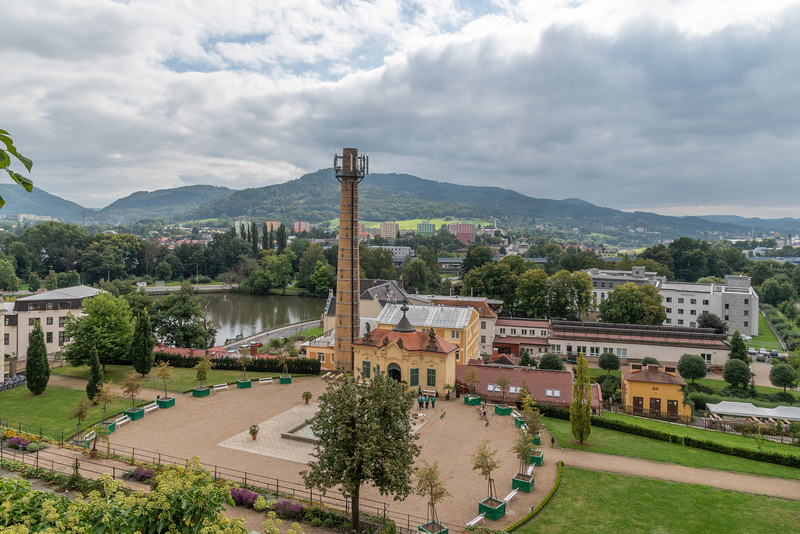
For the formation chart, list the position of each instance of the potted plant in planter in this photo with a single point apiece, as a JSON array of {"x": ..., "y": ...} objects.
[
  {"x": 164, "y": 373},
  {"x": 285, "y": 377},
  {"x": 307, "y": 396},
  {"x": 103, "y": 397},
  {"x": 502, "y": 380},
  {"x": 243, "y": 382},
  {"x": 448, "y": 388},
  {"x": 523, "y": 446},
  {"x": 202, "y": 368},
  {"x": 532, "y": 419},
  {"x": 471, "y": 378},
  {"x": 100, "y": 432},
  {"x": 254, "y": 431},
  {"x": 131, "y": 387},
  {"x": 430, "y": 485},
  {"x": 483, "y": 460}
]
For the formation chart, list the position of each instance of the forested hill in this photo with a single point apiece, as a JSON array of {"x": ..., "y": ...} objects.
[
  {"x": 161, "y": 204},
  {"x": 38, "y": 202},
  {"x": 383, "y": 197}
]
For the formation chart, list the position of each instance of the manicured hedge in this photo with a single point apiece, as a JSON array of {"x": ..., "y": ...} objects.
[
  {"x": 542, "y": 504},
  {"x": 302, "y": 366}
]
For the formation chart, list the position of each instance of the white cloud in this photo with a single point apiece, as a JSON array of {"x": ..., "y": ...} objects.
[{"x": 637, "y": 105}]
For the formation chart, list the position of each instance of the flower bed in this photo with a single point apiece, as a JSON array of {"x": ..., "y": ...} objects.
[
  {"x": 289, "y": 510},
  {"x": 243, "y": 497},
  {"x": 142, "y": 474},
  {"x": 18, "y": 443}
]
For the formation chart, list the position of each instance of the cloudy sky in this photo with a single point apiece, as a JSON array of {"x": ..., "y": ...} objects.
[{"x": 677, "y": 107}]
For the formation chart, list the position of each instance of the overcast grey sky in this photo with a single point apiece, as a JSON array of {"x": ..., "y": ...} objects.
[{"x": 677, "y": 107}]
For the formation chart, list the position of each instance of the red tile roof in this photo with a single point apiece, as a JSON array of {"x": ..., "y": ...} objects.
[
  {"x": 656, "y": 377},
  {"x": 412, "y": 341}
]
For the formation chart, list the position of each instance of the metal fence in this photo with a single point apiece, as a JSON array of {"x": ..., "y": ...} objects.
[{"x": 55, "y": 459}]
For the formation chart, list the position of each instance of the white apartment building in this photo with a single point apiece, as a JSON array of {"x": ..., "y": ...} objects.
[{"x": 735, "y": 301}]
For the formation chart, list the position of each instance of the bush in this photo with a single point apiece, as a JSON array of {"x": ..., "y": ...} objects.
[
  {"x": 260, "y": 504},
  {"x": 289, "y": 510},
  {"x": 700, "y": 400},
  {"x": 36, "y": 447},
  {"x": 142, "y": 474},
  {"x": 301, "y": 366},
  {"x": 316, "y": 522},
  {"x": 244, "y": 497}
]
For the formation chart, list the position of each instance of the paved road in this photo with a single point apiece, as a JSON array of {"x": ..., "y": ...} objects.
[{"x": 265, "y": 337}]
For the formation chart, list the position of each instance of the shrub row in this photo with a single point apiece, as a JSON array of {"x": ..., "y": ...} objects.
[
  {"x": 303, "y": 366},
  {"x": 542, "y": 504}
]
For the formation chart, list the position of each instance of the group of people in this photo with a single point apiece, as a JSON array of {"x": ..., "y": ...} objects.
[{"x": 426, "y": 401}]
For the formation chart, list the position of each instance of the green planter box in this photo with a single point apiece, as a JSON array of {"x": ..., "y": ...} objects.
[
  {"x": 492, "y": 509},
  {"x": 201, "y": 392},
  {"x": 166, "y": 402},
  {"x": 502, "y": 409},
  {"x": 135, "y": 413},
  {"x": 472, "y": 400},
  {"x": 286, "y": 379},
  {"x": 112, "y": 426},
  {"x": 537, "y": 438},
  {"x": 434, "y": 527},
  {"x": 243, "y": 383},
  {"x": 536, "y": 458},
  {"x": 522, "y": 482},
  {"x": 519, "y": 422}
]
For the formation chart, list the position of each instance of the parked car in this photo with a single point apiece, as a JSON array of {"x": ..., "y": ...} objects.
[
  {"x": 773, "y": 352},
  {"x": 751, "y": 350},
  {"x": 762, "y": 350}
]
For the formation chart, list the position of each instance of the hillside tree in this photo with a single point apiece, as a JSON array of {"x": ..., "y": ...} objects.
[
  {"x": 364, "y": 438},
  {"x": 37, "y": 368},
  {"x": 281, "y": 238},
  {"x": 105, "y": 325},
  {"x": 142, "y": 356},
  {"x": 692, "y": 366},
  {"x": 737, "y": 373},
  {"x": 783, "y": 376},
  {"x": 580, "y": 410}
]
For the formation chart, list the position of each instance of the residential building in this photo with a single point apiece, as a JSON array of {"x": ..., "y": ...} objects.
[
  {"x": 389, "y": 229},
  {"x": 464, "y": 232},
  {"x": 457, "y": 325},
  {"x": 513, "y": 335},
  {"x": 426, "y": 229},
  {"x": 546, "y": 387},
  {"x": 373, "y": 296},
  {"x": 486, "y": 313},
  {"x": 735, "y": 301},
  {"x": 422, "y": 359},
  {"x": 656, "y": 391},
  {"x": 634, "y": 342},
  {"x": 398, "y": 253},
  {"x": 300, "y": 226},
  {"x": 50, "y": 309},
  {"x": 271, "y": 225}
]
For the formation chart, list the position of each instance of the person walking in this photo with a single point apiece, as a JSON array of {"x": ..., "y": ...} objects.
[
  {"x": 419, "y": 400},
  {"x": 426, "y": 402},
  {"x": 433, "y": 402}
]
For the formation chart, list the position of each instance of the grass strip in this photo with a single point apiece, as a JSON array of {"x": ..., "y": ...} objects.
[{"x": 542, "y": 504}]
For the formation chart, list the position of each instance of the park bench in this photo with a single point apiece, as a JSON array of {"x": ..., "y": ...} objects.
[
  {"x": 218, "y": 387},
  {"x": 508, "y": 498},
  {"x": 120, "y": 420},
  {"x": 429, "y": 392},
  {"x": 265, "y": 380},
  {"x": 530, "y": 470},
  {"x": 87, "y": 439},
  {"x": 476, "y": 520},
  {"x": 150, "y": 407},
  {"x": 515, "y": 413}
]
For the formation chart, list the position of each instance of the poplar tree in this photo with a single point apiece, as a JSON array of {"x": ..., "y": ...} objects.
[
  {"x": 95, "y": 377},
  {"x": 37, "y": 369},
  {"x": 142, "y": 355},
  {"x": 264, "y": 235},
  {"x": 281, "y": 238},
  {"x": 580, "y": 411},
  {"x": 254, "y": 237}
]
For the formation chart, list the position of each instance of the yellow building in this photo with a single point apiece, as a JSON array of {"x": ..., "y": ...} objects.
[
  {"x": 389, "y": 229},
  {"x": 421, "y": 359},
  {"x": 459, "y": 325},
  {"x": 655, "y": 391}
]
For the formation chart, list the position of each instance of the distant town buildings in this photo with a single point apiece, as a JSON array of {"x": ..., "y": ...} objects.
[
  {"x": 464, "y": 232},
  {"x": 389, "y": 229},
  {"x": 300, "y": 226},
  {"x": 426, "y": 229}
]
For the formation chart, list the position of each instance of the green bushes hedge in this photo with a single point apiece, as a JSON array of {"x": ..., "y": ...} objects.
[{"x": 303, "y": 366}]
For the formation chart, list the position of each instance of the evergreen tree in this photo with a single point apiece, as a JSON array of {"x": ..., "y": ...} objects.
[
  {"x": 738, "y": 348},
  {"x": 37, "y": 368},
  {"x": 95, "y": 376},
  {"x": 233, "y": 230},
  {"x": 142, "y": 355},
  {"x": 33, "y": 282},
  {"x": 254, "y": 237},
  {"x": 281, "y": 238},
  {"x": 271, "y": 238},
  {"x": 525, "y": 359},
  {"x": 264, "y": 235},
  {"x": 580, "y": 411}
]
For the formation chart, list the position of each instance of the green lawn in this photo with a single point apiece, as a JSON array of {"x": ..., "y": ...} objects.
[
  {"x": 312, "y": 332},
  {"x": 621, "y": 444},
  {"x": 766, "y": 337},
  {"x": 591, "y": 501},
  {"x": 182, "y": 379},
  {"x": 52, "y": 408}
]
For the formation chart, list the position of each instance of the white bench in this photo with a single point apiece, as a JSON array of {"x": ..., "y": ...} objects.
[
  {"x": 265, "y": 380},
  {"x": 476, "y": 520},
  {"x": 150, "y": 407},
  {"x": 530, "y": 469},
  {"x": 515, "y": 413},
  {"x": 218, "y": 387},
  {"x": 429, "y": 392},
  {"x": 89, "y": 437},
  {"x": 124, "y": 419},
  {"x": 508, "y": 498}
]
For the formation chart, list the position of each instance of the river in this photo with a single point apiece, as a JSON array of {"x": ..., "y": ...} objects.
[{"x": 237, "y": 313}]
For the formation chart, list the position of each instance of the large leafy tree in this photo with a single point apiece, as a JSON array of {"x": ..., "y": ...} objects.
[
  {"x": 783, "y": 376},
  {"x": 476, "y": 257},
  {"x": 633, "y": 304},
  {"x": 580, "y": 410},
  {"x": 37, "y": 368},
  {"x": 5, "y": 163},
  {"x": 736, "y": 373},
  {"x": 552, "y": 362},
  {"x": 364, "y": 437},
  {"x": 142, "y": 355},
  {"x": 308, "y": 262},
  {"x": 608, "y": 361},
  {"x": 692, "y": 366},
  {"x": 323, "y": 278},
  {"x": 532, "y": 291},
  {"x": 180, "y": 321},
  {"x": 106, "y": 324},
  {"x": 711, "y": 320}
]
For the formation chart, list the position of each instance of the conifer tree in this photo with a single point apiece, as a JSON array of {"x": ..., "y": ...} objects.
[
  {"x": 281, "y": 238},
  {"x": 271, "y": 239},
  {"x": 254, "y": 237},
  {"x": 264, "y": 235},
  {"x": 142, "y": 355},
  {"x": 95, "y": 376},
  {"x": 37, "y": 369},
  {"x": 580, "y": 411}
]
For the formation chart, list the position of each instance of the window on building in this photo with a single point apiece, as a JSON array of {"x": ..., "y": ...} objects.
[
  {"x": 669, "y": 299},
  {"x": 622, "y": 353},
  {"x": 431, "y": 378},
  {"x": 365, "y": 370},
  {"x": 524, "y": 332},
  {"x": 513, "y": 331},
  {"x": 692, "y": 312},
  {"x": 34, "y": 306},
  {"x": 63, "y": 338},
  {"x": 455, "y": 334},
  {"x": 514, "y": 389},
  {"x": 483, "y": 339},
  {"x": 555, "y": 349},
  {"x": 493, "y": 387},
  {"x": 746, "y": 323},
  {"x": 594, "y": 351},
  {"x": 553, "y": 392},
  {"x": 48, "y": 337},
  {"x": 602, "y": 284},
  {"x": 321, "y": 357},
  {"x": 502, "y": 330},
  {"x": 680, "y": 301},
  {"x": 680, "y": 322},
  {"x": 7, "y": 339},
  {"x": 726, "y": 318},
  {"x": 705, "y": 303},
  {"x": 49, "y": 320},
  {"x": 581, "y": 349},
  {"x": 49, "y": 305},
  {"x": 64, "y": 305},
  {"x": 680, "y": 311},
  {"x": 414, "y": 377},
  {"x": 33, "y": 320},
  {"x": 483, "y": 325},
  {"x": 668, "y": 320},
  {"x": 727, "y": 306},
  {"x": 608, "y": 349},
  {"x": 669, "y": 310},
  {"x": 543, "y": 333},
  {"x": 747, "y": 301},
  {"x": 692, "y": 301},
  {"x": 746, "y": 313},
  {"x": 61, "y": 321},
  {"x": 706, "y": 357}
]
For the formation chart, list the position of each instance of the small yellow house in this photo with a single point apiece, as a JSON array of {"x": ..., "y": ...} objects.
[
  {"x": 421, "y": 359},
  {"x": 654, "y": 390}
]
